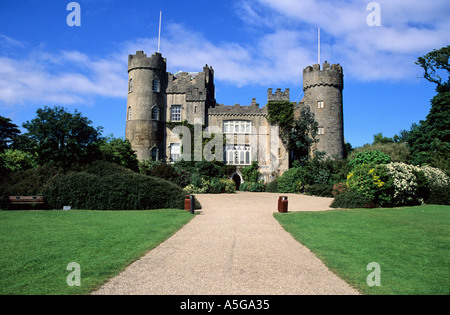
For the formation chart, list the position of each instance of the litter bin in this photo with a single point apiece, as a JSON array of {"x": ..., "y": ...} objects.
[
  {"x": 187, "y": 203},
  {"x": 283, "y": 204}
]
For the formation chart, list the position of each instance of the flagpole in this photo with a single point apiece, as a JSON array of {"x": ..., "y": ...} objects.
[
  {"x": 318, "y": 50},
  {"x": 159, "y": 35}
]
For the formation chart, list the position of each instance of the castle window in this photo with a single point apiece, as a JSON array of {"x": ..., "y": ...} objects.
[
  {"x": 321, "y": 131},
  {"x": 129, "y": 113},
  {"x": 237, "y": 126},
  {"x": 175, "y": 113},
  {"x": 320, "y": 104},
  {"x": 130, "y": 86},
  {"x": 237, "y": 154},
  {"x": 154, "y": 154},
  {"x": 156, "y": 85},
  {"x": 155, "y": 113},
  {"x": 175, "y": 152}
]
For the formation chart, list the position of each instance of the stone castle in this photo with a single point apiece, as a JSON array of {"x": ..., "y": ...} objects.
[{"x": 156, "y": 97}]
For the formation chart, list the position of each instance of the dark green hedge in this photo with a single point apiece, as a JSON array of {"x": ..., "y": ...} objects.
[{"x": 122, "y": 191}]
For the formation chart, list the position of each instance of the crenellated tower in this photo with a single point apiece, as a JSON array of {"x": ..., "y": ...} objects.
[
  {"x": 146, "y": 104},
  {"x": 323, "y": 93}
]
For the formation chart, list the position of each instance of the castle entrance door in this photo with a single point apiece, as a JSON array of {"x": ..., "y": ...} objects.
[{"x": 237, "y": 180}]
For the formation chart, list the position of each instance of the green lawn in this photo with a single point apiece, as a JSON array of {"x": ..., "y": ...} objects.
[
  {"x": 37, "y": 246},
  {"x": 411, "y": 246}
]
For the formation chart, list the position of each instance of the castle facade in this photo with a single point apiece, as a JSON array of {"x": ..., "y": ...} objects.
[{"x": 158, "y": 100}]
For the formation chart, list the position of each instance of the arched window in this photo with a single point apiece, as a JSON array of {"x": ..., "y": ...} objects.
[
  {"x": 155, "y": 113},
  {"x": 156, "y": 85},
  {"x": 129, "y": 113},
  {"x": 130, "y": 86}
]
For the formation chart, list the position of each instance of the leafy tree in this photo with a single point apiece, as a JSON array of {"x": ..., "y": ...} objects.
[
  {"x": 17, "y": 160},
  {"x": 62, "y": 137},
  {"x": 435, "y": 64},
  {"x": 8, "y": 132},
  {"x": 429, "y": 141},
  {"x": 379, "y": 138},
  {"x": 119, "y": 151},
  {"x": 303, "y": 135}
]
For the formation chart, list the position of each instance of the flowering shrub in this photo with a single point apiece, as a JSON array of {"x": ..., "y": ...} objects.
[
  {"x": 412, "y": 184},
  {"x": 339, "y": 188},
  {"x": 404, "y": 182},
  {"x": 371, "y": 182},
  {"x": 435, "y": 177}
]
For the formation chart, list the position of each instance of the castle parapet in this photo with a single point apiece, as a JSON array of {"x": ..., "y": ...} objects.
[
  {"x": 141, "y": 61},
  {"x": 278, "y": 95},
  {"x": 330, "y": 75}
]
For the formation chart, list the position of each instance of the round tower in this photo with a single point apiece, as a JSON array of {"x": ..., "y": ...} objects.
[
  {"x": 146, "y": 104},
  {"x": 323, "y": 93}
]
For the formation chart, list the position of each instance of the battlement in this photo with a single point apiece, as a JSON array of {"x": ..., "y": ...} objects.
[
  {"x": 198, "y": 86},
  {"x": 329, "y": 75},
  {"x": 142, "y": 61},
  {"x": 238, "y": 110},
  {"x": 278, "y": 95}
]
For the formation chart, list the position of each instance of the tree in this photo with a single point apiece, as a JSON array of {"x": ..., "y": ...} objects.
[
  {"x": 303, "y": 135},
  {"x": 429, "y": 141},
  {"x": 119, "y": 151},
  {"x": 435, "y": 63},
  {"x": 62, "y": 137},
  {"x": 8, "y": 132}
]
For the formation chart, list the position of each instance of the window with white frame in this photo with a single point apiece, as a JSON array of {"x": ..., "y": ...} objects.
[
  {"x": 321, "y": 131},
  {"x": 175, "y": 152},
  {"x": 237, "y": 126},
  {"x": 320, "y": 104},
  {"x": 175, "y": 113},
  {"x": 237, "y": 155}
]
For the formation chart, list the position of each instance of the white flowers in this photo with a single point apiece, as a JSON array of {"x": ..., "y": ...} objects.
[{"x": 408, "y": 179}]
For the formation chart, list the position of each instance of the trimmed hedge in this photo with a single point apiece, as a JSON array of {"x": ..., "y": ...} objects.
[{"x": 121, "y": 191}]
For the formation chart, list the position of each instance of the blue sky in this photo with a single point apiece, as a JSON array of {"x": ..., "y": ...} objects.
[{"x": 251, "y": 44}]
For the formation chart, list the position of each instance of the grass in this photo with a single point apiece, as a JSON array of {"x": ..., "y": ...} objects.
[
  {"x": 411, "y": 245},
  {"x": 37, "y": 246}
]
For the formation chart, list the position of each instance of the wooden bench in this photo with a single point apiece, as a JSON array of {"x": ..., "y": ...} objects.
[{"x": 26, "y": 200}]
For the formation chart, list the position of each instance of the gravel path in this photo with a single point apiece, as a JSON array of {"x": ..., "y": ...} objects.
[{"x": 233, "y": 247}]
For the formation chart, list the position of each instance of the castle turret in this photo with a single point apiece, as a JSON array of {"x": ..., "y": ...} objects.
[
  {"x": 147, "y": 83},
  {"x": 323, "y": 93}
]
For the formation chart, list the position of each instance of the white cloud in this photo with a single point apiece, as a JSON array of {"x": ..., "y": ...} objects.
[
  {"x": 61, "y": 78},
  {"x": 284, "y": 41},
  {"x": 409, "y": 29}
]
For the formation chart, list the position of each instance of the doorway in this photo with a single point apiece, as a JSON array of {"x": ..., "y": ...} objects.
[{"x": 237, "y": 180}]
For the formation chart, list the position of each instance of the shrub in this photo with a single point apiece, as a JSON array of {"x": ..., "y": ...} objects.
[
  {"x": 320, "y": 190},
  {"x": 251, "y": 173},
  {"x": 230, "y": 186},
  {"x": 216, "y": 186},
  {"x": 370, "y": 157},
  {"x": 439, "y": 195},
  {"x": 121, "y": 191},
  {"x": 370, "y": 182},
  {"x": 350, "y": 199},
  {"x": 253, "y": 187},
  {"x": 272, "y": 186},
  {"x": 290, "y": 181},
  {"x": 339, "y": 188}
]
